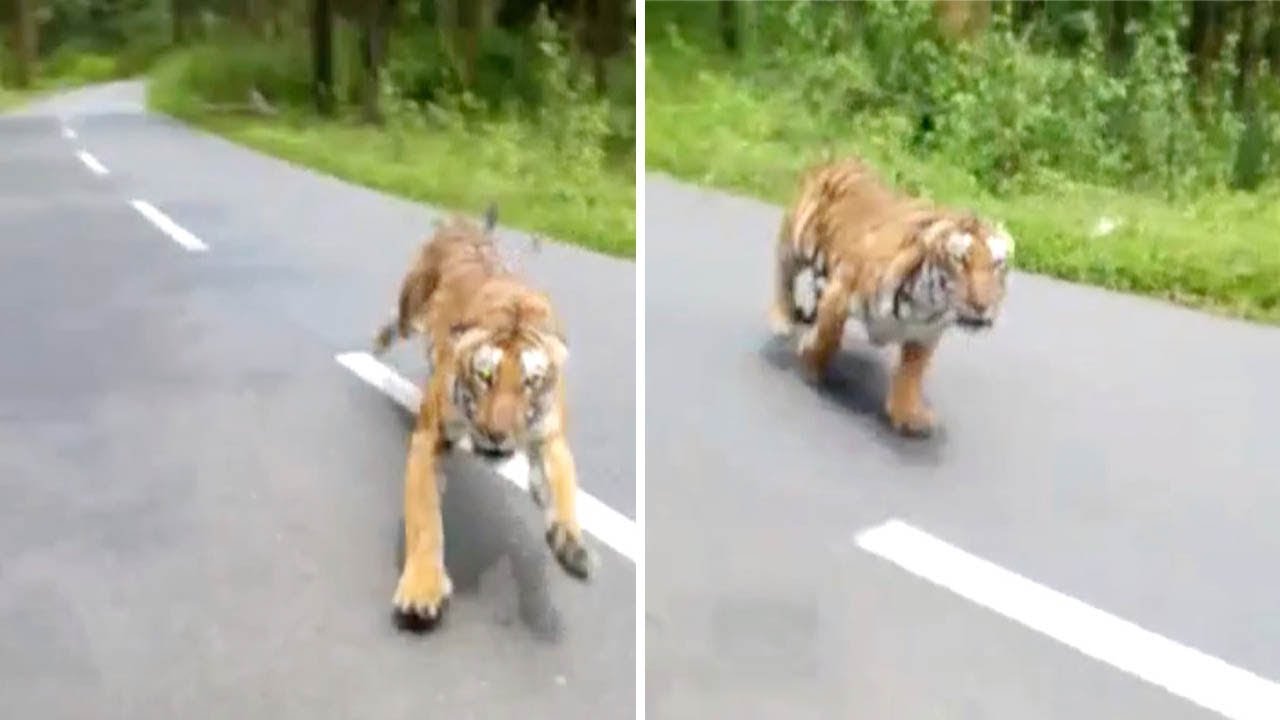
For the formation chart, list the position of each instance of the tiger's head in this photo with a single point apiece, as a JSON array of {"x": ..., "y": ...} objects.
[
  {"x": 506, "y": 365},
  {"x": 975, "y": 256}
]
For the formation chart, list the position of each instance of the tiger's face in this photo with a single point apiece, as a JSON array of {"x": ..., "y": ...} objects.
[
  {"x": 503, "y": 391},
  {"x": 977, "y": 257}
]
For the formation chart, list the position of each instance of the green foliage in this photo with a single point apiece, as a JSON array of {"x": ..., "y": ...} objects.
[
  {"x": 569, "y": 113},
  {"x": 81, "y": 67},
  {"x": 533, "y": 73},
  {"x": 1010, "y": 113},
  {"x": 1047, "y": 130},
  {"x": 223, "y": 72},
  {"x": 541, "y": 152}
]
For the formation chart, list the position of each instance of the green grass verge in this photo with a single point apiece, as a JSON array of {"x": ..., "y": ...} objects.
[
  {"x": 1219, "y": 252},
  {"x": 11, "y": 98},
  {"x": 69, "y": 69},
  {"x": 462, "y": 168}
]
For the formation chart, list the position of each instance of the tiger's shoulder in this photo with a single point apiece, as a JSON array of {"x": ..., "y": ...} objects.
[{"x": 844, "y": 210}]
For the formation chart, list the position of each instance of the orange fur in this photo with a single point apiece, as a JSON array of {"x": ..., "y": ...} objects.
[
  {"x": 904, "y": 266},
  {"x": 481, "y": 322}
]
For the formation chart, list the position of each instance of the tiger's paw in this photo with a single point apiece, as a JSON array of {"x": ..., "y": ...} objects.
[
  {"x": 779, "y": 321},
  {"x": 567, "y": 546},
  {"x": 423, "y": 592},
  {"x": 912, "y": 421},
  {"x": 813, "y": 358}
]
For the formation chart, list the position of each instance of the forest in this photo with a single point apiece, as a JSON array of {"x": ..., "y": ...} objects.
[
  {"x": 530, "y": 103},
  {"x": 1133, "y": 145}
]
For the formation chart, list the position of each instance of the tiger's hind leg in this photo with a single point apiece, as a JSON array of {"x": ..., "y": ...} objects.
[
  {"x": 905, "y": 404},
  {"x": 387, "y": 333}
]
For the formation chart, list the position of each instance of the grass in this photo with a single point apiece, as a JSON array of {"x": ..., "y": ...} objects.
[
  {"x": 1220, "y": 252},
  {"x": 452, "y": 165},
  {"x": 11, "y": 97},
  {"x": 67, "y": 69}
]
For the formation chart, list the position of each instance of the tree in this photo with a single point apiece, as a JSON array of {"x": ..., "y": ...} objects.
[
  {"x": 178, "y": 10},
  {"x": 959, "y": 19},
  {"x": 1248, "y": 51},
  {"x": 24, "y": 41},
  {"x": 322, "y": 55},
  {"x": 729, "y": 25},
  {"x": 599, "y": 31},
  {"x": 375, "y": 24}
]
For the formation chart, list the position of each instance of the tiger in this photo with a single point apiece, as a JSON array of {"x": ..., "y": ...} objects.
[
  {"x": 497, "y": 352},
  {"x": 907, "y": 269}
]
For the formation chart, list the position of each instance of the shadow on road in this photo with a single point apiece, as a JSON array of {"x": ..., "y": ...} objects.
[
  {"x": 857, "y": 382},
  {"x": 483, "y": 525}
]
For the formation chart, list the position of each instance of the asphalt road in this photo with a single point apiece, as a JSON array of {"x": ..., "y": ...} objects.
[
  {"x": 199, "y": 507},
  {"x": 1117, "y": 450}
]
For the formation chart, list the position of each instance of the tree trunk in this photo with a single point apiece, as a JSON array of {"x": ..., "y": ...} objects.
[
  {"x": 1025, "y": 13},
  {"x": 24, "y": 42},
  {"x": 373, "y": 45},
  {"x": 961, "y": 19},
  {"x": 1273, "y": 39},
  {"x": 729, "y": 25},
  {"x": 177, "y": 13},
  {"x": 322, "y": 55},
  {"x": 1117, "y": 41},
  {"x": 1207, "y": 34},
  {"x": 458, "y": 21},
  {"x": 1246, "y": 51}
]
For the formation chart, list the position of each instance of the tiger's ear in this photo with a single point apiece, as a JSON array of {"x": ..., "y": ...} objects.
[
  {"x": 1001, "y": 244},
  {"x": 958, "y": 243},
  {"x": 557, "y": 346}
]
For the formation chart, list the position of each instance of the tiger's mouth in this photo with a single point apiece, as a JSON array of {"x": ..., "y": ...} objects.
[
  {"x": 974, "y": 323},
  {"x": 493, "y": 453}
]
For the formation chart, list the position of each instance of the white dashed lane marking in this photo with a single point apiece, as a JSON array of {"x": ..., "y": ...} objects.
[
  {"x": 606, "y": 524},
  {"x": 91, "y": 162},
  {"x": 1183, "y": 671},
  {"x": 175, "y": 231}
]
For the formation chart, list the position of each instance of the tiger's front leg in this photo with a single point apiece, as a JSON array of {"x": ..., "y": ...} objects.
[
  {"x": 424, "y": 585},
  {"x": 905, "y": 405},
  {"x": 554, "y": 484}
]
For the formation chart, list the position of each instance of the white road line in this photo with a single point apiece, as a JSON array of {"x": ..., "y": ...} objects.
[
  {"x": 91, "y": 162},
  {"x": 175, "y": 231},
  {"x": 608, "y": 525},
  {"x": 68, "y": 133},
  {"x": 1188, "y": 673}
]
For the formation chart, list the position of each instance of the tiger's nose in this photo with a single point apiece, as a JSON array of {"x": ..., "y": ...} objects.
[{"x": 496, "y": 438}]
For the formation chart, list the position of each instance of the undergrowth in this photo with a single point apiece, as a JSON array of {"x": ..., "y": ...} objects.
[
  {"x": 1056, "y": 142},
  {"x": 543, "y": 143}
]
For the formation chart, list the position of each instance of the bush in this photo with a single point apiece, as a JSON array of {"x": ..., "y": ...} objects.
[
  {"x": 223, "y": 72},
  {"x": 1046, "y": 131},
  {"x": 1015, "y": 110},
  {"x": 78, "y": 67}
]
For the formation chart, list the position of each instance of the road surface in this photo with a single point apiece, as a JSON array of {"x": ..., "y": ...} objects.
[
  {"x": 1113, "y": 451},
  {"x": 199, "y": 506}
]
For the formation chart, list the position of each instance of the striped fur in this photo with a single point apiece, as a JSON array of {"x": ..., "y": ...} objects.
[{"x": 906, "y": 268}]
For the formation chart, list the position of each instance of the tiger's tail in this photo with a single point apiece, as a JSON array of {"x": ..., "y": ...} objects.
[
  {"x": 790, "y": 244},
  {"x": 782, "y": 310}
]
